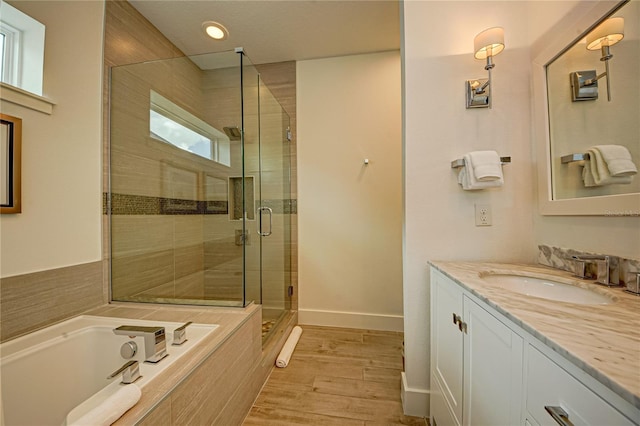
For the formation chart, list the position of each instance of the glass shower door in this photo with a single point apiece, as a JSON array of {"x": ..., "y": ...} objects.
[{"x": 274, "y": 211}]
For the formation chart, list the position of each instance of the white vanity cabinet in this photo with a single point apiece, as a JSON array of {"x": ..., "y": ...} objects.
[
  {"x": 485, "y": 370},
  {"x": 476, "y": 361}
]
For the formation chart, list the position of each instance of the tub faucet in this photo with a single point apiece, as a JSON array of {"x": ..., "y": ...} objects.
[
  {"x": 155, "y": 343},
  {"x": 602, "y": 263}
]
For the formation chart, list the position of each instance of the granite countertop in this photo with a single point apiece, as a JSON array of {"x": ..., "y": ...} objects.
[{"x": 602, "y": 340}]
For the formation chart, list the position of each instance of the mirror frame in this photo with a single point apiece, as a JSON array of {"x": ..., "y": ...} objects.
[{"x": 579, "y": 21}]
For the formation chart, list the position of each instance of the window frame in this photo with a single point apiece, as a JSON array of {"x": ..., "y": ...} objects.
[{"x": 172, "y": 112}]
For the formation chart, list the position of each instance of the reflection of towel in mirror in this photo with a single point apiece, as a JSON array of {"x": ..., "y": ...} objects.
[
  {"x": 618, "y": 159},
  {"x": 596, "y": 172},
  {"x": 490, "y": 171}
]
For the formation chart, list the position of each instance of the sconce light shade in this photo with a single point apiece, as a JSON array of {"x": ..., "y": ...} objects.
[
  {"x": 607, "y": 33},
  {"x": 488, "y": 43}
]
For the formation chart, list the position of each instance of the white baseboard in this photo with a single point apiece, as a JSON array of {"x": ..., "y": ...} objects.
[
  {"x": 415, "y": 402},
  {"x": 351, "y": 320}
]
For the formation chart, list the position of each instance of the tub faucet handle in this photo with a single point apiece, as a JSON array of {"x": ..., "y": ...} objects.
[
  {"x": 130, "y": 372},
  {"x": 180, "y": 334}
]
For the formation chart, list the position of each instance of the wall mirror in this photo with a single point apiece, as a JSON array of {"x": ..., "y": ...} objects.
[{"x": 571, "y": 117}]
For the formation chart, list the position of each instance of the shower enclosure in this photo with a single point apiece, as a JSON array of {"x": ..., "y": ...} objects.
[{"x": 200, "y": 196}]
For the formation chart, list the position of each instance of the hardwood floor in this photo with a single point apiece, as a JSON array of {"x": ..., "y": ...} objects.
[{"x": 336, "y": 376}]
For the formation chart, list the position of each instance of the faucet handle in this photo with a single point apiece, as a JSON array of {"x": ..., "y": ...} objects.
[
  {"x": 634, "y": 286},
  {"x": 180, "y": 334},
  {"x": 130, "y": 372},
  {"x": 603, "y": 276},
  {"x": 579, "y": 268}
]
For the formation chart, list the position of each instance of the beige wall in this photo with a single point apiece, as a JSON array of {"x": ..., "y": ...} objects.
[
  {"x": 439, "y": 221},
  {"x": 350, "y": 217},
  {"x": 60, "y": 223}
]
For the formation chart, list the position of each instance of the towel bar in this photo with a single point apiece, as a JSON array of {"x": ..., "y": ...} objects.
[
  {"x": 460, "y": 162},
  {"x": 574, "y": 157}
]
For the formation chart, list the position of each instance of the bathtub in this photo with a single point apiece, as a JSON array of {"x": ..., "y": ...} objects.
[{"x": 55, "y": 375}]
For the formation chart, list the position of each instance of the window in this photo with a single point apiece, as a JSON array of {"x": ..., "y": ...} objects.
[
  {"x": 171, "y": 124},
  {"x": 22, "y": 49}
]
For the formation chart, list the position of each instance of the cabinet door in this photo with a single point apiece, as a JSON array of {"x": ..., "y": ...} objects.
[
  {"x": 548, "y": 384},
  {"x": 493, "y": 370},
  {"x": 446, "y": 343},
  {"x": 441, "y": 414}
]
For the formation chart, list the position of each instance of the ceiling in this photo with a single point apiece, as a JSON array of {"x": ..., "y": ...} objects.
[{"x": 277, "y": 31}]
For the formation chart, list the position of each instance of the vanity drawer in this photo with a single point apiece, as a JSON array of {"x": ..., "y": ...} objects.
[{"x": 548, "y": 384}]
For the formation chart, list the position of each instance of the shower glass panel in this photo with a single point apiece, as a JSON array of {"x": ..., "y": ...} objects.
[
  {"x": 186, "y": 184},
  {"x": 267, "y": 158},
  {"x": 275, "y": 208}
]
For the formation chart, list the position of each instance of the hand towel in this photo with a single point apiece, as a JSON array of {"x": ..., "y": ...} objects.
[
  {"x": 287, "y": 350},
  {"x": 618, "y": 160},
  {"x": 596, "y": 172},
  {"x": 111, "y": 408},
  {"x": 468, "y": 180},
  {"x": 486, "y": 165}
]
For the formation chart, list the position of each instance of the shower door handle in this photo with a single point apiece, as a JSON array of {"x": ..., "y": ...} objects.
[{"x": 260, "y": 231}]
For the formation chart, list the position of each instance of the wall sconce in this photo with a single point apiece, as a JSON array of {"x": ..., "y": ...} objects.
[
  {"x": 486, "y": 45},
  {"x": 584, "y": 84}
]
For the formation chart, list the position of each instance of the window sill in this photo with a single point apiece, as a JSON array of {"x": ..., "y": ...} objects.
[{"x": 26, "y": 99}]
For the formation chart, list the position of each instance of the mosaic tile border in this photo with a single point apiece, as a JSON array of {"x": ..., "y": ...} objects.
[
  {"x": 127, "y": 204},
  {"x": 623, "y": 271}
]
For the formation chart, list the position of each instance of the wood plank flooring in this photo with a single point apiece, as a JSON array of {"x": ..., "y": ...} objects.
[{"x": 336, "y": 376}]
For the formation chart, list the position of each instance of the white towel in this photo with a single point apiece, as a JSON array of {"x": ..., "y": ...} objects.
[
  {"x": 486, "y": 165},
  {"x": 287, "y": 350},
  {"x": 112, "y": 408},
  {"x": 469, "y": 182},
  {"x": 618, "y": 160},
  {"x": 596, "y": 172}
]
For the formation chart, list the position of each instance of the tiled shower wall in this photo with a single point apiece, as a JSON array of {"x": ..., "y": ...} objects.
[{"x": 171, "y": 244}]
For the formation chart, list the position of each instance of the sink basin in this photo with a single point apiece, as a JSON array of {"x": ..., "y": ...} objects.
[{"x": 547, "y": 288}]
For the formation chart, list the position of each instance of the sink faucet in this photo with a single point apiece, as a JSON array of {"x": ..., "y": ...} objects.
[
  {"x": 602, "y": 263},
  {"x": 155, "y": 344}
]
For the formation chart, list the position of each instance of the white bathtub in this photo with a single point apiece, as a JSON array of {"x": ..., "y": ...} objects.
[{"x": 61, "y": 371}]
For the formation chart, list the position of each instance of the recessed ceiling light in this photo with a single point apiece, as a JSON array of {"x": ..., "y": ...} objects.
[{"x": 215, "y": 30}]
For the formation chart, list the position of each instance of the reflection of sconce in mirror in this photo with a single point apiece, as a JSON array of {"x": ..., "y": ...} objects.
[
  {"x": 584, "y": 84},
  {"x": 486, "y": 45}
]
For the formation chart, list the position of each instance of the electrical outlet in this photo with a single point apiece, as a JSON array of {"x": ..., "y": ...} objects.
[{"x": 483, "y": 215}]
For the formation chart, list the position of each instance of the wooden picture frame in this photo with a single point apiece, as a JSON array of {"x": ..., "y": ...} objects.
[{"x": 10, "y": 161}]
